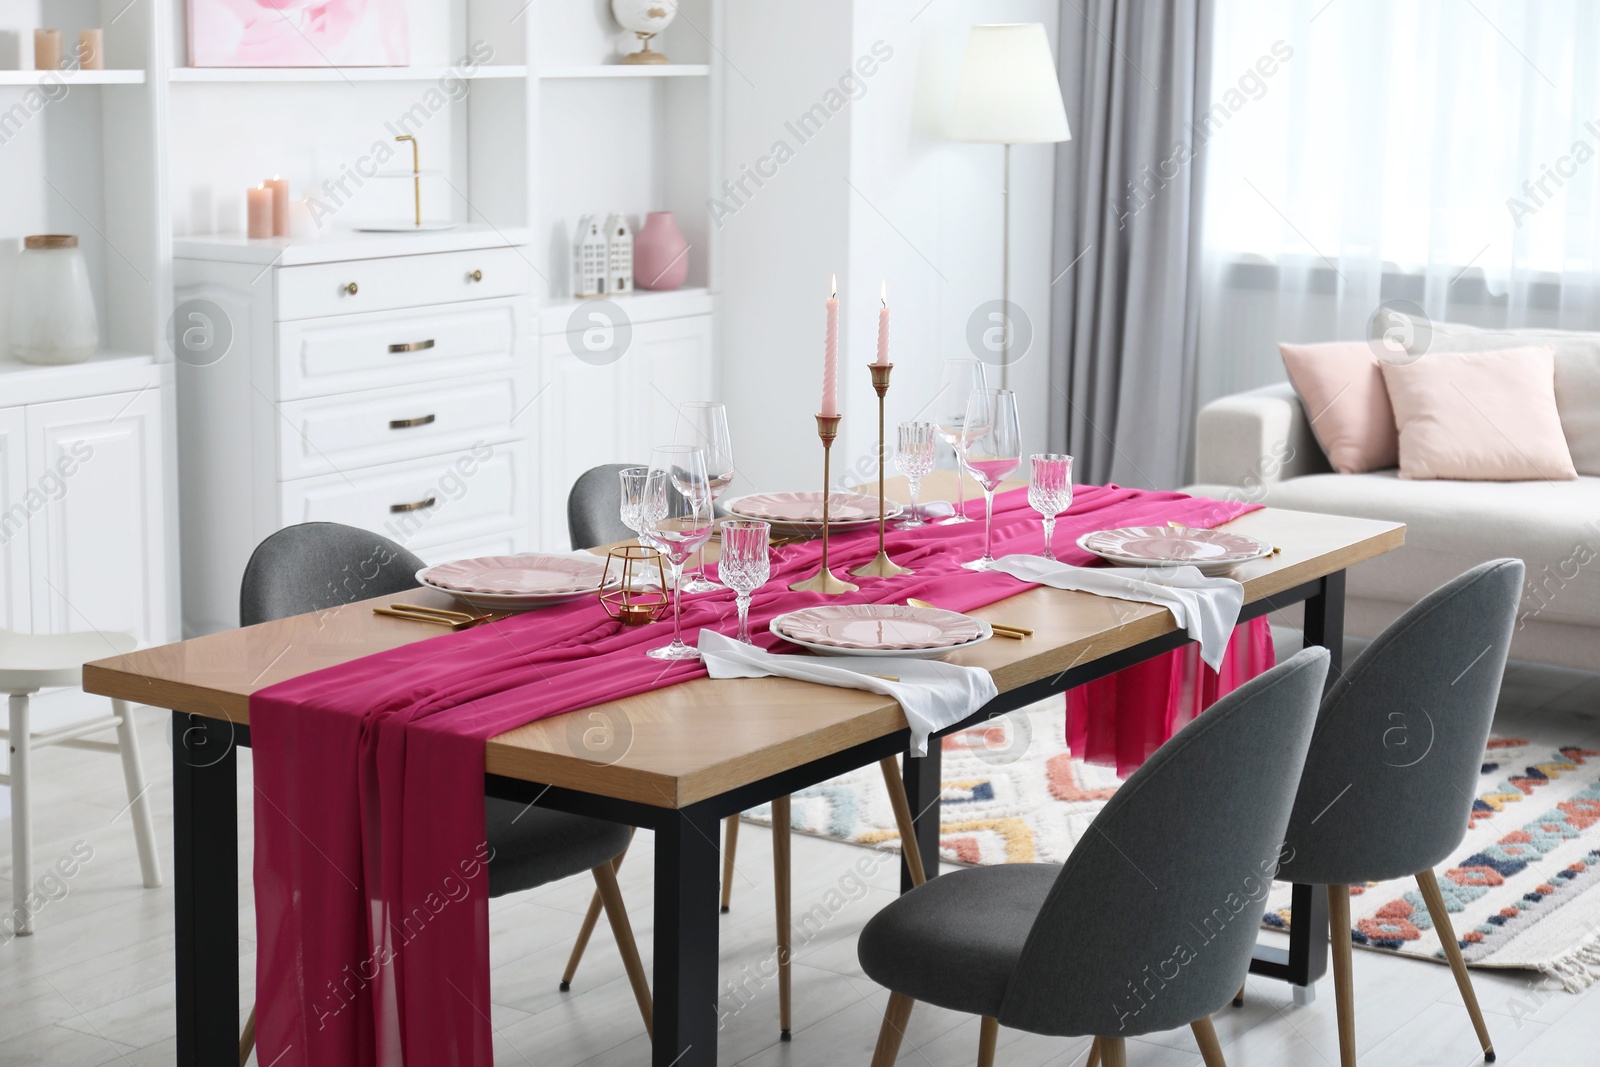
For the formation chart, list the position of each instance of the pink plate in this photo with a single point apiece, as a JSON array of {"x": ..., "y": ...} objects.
[
  {"x": 1168, "y": 544},
  {"x": 806, "y": 508},
  {"x": 531, "y": 575},
  {"x": 879, "y": 627}
]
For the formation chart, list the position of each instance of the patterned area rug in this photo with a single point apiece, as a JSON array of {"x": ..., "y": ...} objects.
[{"x": 1523, "y": 889}]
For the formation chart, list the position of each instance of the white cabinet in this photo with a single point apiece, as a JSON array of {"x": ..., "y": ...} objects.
[
  {"x": 395, "y": 392},
  {"x": 83, "y": 522},
  {"x": 93, "y": 542},
  {"x": 14, "y": 519}
]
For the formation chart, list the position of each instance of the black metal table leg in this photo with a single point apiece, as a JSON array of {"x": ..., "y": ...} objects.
[
  {"x": 206, "y": 888},
  {"x": 921, "y": 775},
  {"x": 1307, "y": 959},
  {"x": 685, "y": 991}
]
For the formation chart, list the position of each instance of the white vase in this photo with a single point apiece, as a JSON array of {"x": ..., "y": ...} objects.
[{"x": 52, "y": 308}]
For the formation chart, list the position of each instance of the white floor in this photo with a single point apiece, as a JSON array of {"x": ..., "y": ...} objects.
[{"x": 94, "y": 984}]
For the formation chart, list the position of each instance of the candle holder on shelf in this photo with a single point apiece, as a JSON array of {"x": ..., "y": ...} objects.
[
  {"x": 825, "y": 581},
  {"x": 881, "y": 566},
  {"x": 629, "y": 604}
]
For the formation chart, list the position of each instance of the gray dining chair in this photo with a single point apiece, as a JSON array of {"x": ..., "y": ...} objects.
[
  {"x": 1150, "y": 923},
  {"x": 594, "y": 507},
  {"x": 1395, "y": 760},
  {"x": 319, "y": 565}
]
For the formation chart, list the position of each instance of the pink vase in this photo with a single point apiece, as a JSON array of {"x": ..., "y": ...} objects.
[{"x": 660, "y": 254}]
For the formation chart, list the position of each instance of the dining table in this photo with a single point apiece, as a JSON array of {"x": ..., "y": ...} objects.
[{"x": 678, "y": 760}]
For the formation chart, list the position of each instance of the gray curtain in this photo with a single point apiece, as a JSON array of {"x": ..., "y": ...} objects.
[{"x": 1125, "y": 300}]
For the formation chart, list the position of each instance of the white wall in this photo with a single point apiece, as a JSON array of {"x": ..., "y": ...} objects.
[{"x": 878, "y": 195}]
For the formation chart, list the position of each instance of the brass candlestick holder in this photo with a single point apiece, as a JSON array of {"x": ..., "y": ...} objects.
[
  {"x": 881, "y": 566},
  {"x": 627, "y": 603},
  {"x": 825, "y": 581}
]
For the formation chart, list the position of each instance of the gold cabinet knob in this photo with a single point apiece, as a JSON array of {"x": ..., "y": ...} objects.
[
  {"x": 352, "y": 289},
  {"x": 476, "y": 275}
]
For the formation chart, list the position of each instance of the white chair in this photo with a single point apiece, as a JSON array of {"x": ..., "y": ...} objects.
[{"x": 29, "y": 663}]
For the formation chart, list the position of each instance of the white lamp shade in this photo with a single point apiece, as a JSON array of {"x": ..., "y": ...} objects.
[{"x": 1008, "y": 92}]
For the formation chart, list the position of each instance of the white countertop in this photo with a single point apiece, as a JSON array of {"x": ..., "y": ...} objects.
[
  {"x": 344, "y": 245},
  {"x": 104, "y": 373}
]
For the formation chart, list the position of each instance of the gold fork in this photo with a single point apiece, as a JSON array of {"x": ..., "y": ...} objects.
[{"x": 1015, "y": 633}]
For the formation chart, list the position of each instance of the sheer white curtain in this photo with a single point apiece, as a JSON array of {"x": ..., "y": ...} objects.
[{"x": 1444, "y": 152}]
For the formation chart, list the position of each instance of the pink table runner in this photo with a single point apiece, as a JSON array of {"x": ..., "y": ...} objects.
[{"x": 370, "y": 878}]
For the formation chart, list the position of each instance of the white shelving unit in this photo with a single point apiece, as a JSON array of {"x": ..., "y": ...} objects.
[
  {"x": 235, "y": 75},
  {"x": 72, "y": 78},
  {"x": 674, "y": 70}
]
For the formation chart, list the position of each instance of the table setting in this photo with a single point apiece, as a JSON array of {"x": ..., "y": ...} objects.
[{"x": 832, "y": 587}]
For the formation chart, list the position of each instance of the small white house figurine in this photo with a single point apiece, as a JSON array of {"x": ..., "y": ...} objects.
[
  {"x": 589, "y": 267},
  {"x": 619, "y": 255}
]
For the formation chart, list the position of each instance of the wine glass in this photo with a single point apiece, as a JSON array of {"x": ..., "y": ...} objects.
[
  {"x": 990, "y": 449},
  {"x": 703, "y": 424},
  {"x": 958, "y": 380},
  {"x": 745, "y": 564},
  {"x": 1049, "y": 492},
  {"x": 913, "y": 458},
  {"x": 632, "y": 500},
  {"x": 676, "y": 519}
]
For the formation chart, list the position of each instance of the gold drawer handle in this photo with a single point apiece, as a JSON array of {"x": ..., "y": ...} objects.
[
  {"x": 352, "y": 288},
  {"x": 406, "y": 424},
  {"x": 412, "y": 346},
  {"x": 476, "y": 275},
  {"x": 397, "y": 509}
]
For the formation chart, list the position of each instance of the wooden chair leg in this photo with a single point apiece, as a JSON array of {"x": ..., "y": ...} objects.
[
  {"x": 730, "y": 842},
  {"x": 1113, "y": 1051},
  {"x": 21, "y": 815},
  {"x": 988, "y": 1034},
  {"x": 586, "y": 930},
  {"x": 902, "y": 818},
  {"x": 1452, "y": 951},
  {"x": 1094, "y": 1054},
  {"x": 1343, "y": 979},
  {"x": 605, "y": 876},
  {"x": 781, "y": 887},
  {"x": 895, "y": 1017},
  {"x": 247, "y": 1040},
  {"x": 1205, "y": 1035}
]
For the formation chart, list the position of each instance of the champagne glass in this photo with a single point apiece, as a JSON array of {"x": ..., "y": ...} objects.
[
  {"x": 1049, "y": 492},
  {"x": 676, "y": 518},
  {"x": 990, "y": 449},
  {"x": 703, "y": 424},
  {"x": 958, "y": 380},
  {"x": 913, "y": 458},
  {"x": 745, "y": 564}
]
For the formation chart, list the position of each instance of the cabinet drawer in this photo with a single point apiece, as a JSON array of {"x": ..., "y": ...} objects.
[
  {"x": 399, "y": 282},
  {"x": 318, "y": 357},
  {"x": 330, "y": 434},
  {"x": 472, "y": 495}
]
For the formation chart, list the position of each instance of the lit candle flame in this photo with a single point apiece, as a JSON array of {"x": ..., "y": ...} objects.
[
  {"x": 883, "y": 293},
  {"x": 834, "y": 283}
]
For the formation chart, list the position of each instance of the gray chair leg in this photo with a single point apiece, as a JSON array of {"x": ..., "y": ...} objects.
[
  {"x": 21, "y": 816},
  {"x": 1452, "y": 951},
  {"x": 893, "y": 1031},
  {"x": 1343, "y": 978},
  {"x": 1205, "y": 1035},
  {"x": 988, "y": 1035}
]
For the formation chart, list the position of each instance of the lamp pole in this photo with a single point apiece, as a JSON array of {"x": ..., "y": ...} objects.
[{"x": 1005, "y": 275}]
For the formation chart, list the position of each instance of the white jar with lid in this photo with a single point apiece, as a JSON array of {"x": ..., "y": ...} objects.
[{"x": 52, "y": 309}]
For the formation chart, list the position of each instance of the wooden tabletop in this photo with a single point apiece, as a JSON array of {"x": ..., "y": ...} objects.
[{"x": 700, "y": 738}]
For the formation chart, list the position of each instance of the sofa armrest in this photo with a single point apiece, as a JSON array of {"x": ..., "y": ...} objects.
[{"x": 1258, "y": 437}]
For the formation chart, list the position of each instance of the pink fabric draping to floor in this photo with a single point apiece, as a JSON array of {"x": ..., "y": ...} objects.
[{"x": 370, "y": 877}]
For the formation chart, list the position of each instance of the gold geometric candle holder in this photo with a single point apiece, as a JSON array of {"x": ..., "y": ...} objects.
[{"x": 628, "y": 603}]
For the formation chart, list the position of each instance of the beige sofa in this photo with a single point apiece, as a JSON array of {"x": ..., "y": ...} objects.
[{"x": 1259, "y": 446}]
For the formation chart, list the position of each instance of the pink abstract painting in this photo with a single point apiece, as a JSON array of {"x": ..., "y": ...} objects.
[{"x": 298, "y": 33}]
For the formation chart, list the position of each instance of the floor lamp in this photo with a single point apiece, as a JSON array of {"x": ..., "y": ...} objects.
[{"x": 1008, "y": 94}]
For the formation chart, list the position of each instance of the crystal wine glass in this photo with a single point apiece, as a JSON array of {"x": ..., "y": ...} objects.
[
  {"x": 632, "y": 500},
  {"x": 703, "y": 424},
  {"x": 958, "y": 380},
  {"x": 913, "y": 458},
  {"x": 990, "y": 449},
  {"x": 676, "y": 518},
  {"x": 1049, "y": 492},
  {"x": 745, "y": 564}
]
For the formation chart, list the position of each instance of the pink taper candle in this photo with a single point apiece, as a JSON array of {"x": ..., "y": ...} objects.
[
  {"x": 830, "y": 356},
  {"x": 883, "y": 326}
]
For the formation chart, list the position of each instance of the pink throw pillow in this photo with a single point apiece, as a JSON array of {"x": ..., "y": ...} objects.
[
  {"x": 1344, "y": 396},
  {"x": 1480, "y": 416}
]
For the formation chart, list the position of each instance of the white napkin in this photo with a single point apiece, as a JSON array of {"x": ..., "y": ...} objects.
[
  {"x": 932, "y": 694},
  {"x": 1207, "y": 608}
]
